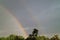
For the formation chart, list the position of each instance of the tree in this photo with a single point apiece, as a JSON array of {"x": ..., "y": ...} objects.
[
  {"x": 2, "y": 38},
  {"x": 55, "y": 37},
  {"x": 14, "y": 37},
  {"x": 35, "y": 32},
  {"x": 33, "y": 35},
  {"x": 19, "y": 38}
]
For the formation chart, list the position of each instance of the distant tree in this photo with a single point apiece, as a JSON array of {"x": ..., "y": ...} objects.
[
  {"x": 33, "y": 35},
  {"x": 19, "y": 38},
  {"x": 14, "y": 37},
  {"x": 35, "y": 32},
  {"x": 30, "y": 37},
  {"x": 11, "y": 37},
  {"x": 2, "y": 38},
  {"x": 38, "y": 38},
  {"x": 55, "y": 37}
]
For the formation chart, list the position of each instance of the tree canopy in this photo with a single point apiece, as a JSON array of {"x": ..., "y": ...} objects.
[{"x": 32, "y": 36}]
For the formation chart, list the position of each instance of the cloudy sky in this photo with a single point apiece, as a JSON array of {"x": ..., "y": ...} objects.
[{"x": 41, "y": 14}]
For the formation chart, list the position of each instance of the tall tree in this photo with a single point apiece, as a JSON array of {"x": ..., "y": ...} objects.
[{"x": 35, "y": 32}]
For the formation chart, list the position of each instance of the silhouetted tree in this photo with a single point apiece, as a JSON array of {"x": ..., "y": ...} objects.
[
  {"x": 33, "y": 35},
  {"x": 35, "y": 32}
]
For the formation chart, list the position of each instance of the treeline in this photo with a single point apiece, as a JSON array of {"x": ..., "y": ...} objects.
[{"x": 33, "y": 36}]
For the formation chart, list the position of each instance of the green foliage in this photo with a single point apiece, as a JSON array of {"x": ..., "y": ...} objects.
[
  {"x": 2, "y": 38},
  {"x": 55, "y": 37},
  {"x": 32, "y": 36},
  {"x": 12, "y": 37}
]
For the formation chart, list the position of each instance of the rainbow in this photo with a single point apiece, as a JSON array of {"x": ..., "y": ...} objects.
[{"x": 24, "y": 33}]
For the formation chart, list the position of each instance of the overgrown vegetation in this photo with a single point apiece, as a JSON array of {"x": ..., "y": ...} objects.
[{"x": 33, "y": 36}]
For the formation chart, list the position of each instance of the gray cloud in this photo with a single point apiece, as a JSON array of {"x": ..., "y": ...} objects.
[{"x": 42, "y": 14}]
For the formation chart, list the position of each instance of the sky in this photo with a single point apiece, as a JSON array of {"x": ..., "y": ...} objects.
[{"x": 41, "y": 14}]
